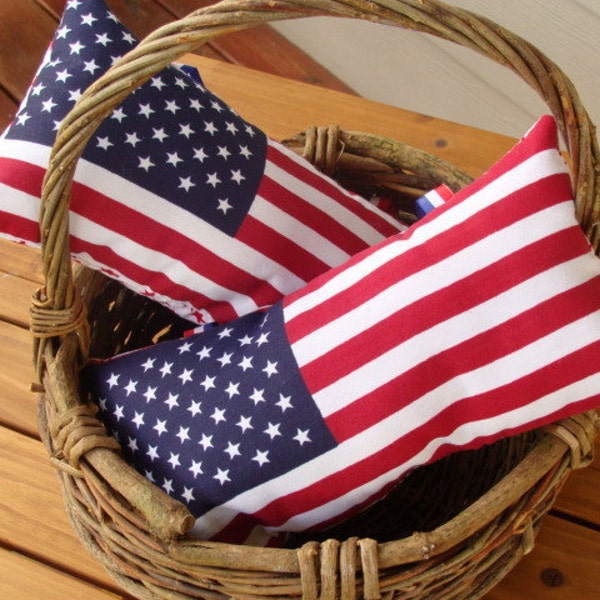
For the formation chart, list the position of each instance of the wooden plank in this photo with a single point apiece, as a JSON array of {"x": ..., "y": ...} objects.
[
  {"x": 21, "y": 261},
  {"x": 8, "y": 109},
  {"x": 17, "y": 402},
  {"x": 566, "y": 556},
  {"x": 33, "y": 520},
  {"x": 25, "y": 579},
  {"x": 17, "y": 68}
]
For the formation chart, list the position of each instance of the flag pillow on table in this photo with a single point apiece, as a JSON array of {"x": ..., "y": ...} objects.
[
  {"x": 481, "y": 321},
  {"x": 176, "y": 195}
]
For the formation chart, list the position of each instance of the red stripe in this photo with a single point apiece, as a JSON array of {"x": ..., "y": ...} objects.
[
  {"x": 22, "y": 176},
  {"x": 467, "y": 356},
  {"x": 443, "y": 304},
  {"x": 326, "y": 186},
  {"x": 19, "y": 227},
  {"x": 274, "y": 245},
  {"x": 522, "y": 204},
  {"x": 570, "y": 369}
]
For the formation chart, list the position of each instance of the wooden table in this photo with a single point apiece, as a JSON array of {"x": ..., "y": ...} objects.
[{"x": 40, "y": 556}]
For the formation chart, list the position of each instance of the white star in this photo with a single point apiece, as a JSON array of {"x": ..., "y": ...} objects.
[
  {"x": 61, "y": 34},
  {"x": 104, "y": 143},
  {"x": 132, "y": 444},
  {"x": 88, "y": 19},
  {"x": 188, "y": 495},
  {"x": 63, "y": 75},
  {"x": 216, "y": 106},
  {"x": 199, "y": 154},
  {"x": 224, "y": 205},
  {"x": 132, "y": 138},
  {"x": 174, "y": 460},
  {"x": 231, "y": 128},
  {"x": 166, "y": 369},
  {"x": 102, "y": 39},
  {"x": 257, "y": 396},
  {"x": 196, "y": 468},
  {"x": 171, "y": 106},
  {"x": 128, "y": 37},
  {"x": 168, "y": 486},
  {"x": 180, "y": 83},
  {"x": 210, "y": 127},
  {"x": 160, "y": 427},
  {"x": 186, "y": 183},
  {"x": 302, "y": 436},
  {"x": 270, "y": 369},
  {"x": 237, "y": 176},
  {"x": 48, "y": 105},
  {"x": 206, "y": 441},
  {"x": 225, "y": 359},
  {"x": 118, "y": 114},
  {"x": 149, "y": 476},
  {"x": 138, "y": 420},
  {"x": 173, "y": 158},
  {"x": 186, "y": 375},
  {"x": 171, "y": 401},
  {"x": 245, "y": 152},
  {"x": 195, "y": 104},
  {"x": 90, "y": 66},
  {"x": 74, "y": 95},
  {"x": 37, "y": 90},
  {"x": 273, "y": 430},
  {"x": 225, "y": 332},
  {"x": 245, "y": 341},
  {"x": 213, "y": 179},
  {"x": 145, "y": 110},
  {"x": 22, "y": 118},
  {"x": 204, "y": 353},
  {"x": 246, "y": 363},
  {"x": 159, "y": 134},
  {"x": 131, "y": 387},
  {"x": 285, "y": 402},
  {"x": 261, "y": 457},
  {"x": 218, "y": 415},
  {"x": 152, "y": 453},
  {"x": 183, "y": 434},
  {"x": 233, "y": 450},
  {"x": 113, "y": 380},
  {"x": 208, "y": 383},
  {"x": 158, "y": 83},
  {"x": 250, "y": 131},
  {"x": 224, "y": 152},
  {"x": 118, "y": 412},
  {"x": 145, "y": 163},
  {"x": 232, "y": 389},
  {"x": 185, "y": 347},
  {"x": 186, "y": 130},
  {"x": 263, "y": 339},
  {"x": 222, "y": 476},
  {"x": 150, "y": 394},
  {"x": 76, "y": 48},
  {"x": 149, "y": 364},
  {"x": 194, "y": 408},
  {"x": 245, "y": 423},
  {"x": 102, "y": 404}
]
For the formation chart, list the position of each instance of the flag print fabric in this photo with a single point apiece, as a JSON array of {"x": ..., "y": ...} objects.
[
  {"x": 176, "y": 195},
  {"x": 480, "y": 321}
]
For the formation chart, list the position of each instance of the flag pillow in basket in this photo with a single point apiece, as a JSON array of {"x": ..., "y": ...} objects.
[
  {"x": 176, "y": 195},
  {"x": 479, "y": 322}
]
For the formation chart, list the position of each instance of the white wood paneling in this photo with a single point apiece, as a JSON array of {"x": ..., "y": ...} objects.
[{"x": 438, "y": 78}]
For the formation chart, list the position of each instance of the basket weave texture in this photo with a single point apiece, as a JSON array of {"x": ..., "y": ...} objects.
[{"x": 480, "y": 510}]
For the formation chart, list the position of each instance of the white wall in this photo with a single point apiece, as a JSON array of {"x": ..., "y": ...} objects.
[{"x": 434, "y": 77}]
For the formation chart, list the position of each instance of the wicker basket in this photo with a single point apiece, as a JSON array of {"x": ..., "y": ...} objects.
[{"x": 479, "y": 511}]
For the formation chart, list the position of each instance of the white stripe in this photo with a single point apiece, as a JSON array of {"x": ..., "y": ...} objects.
[
  {"x": 525, "y": 361},
  {"x": 179, "y": 220},
  {"x": 448, "y": 334},
  {"x": 431, "y": 280},
  {"x": 20, "y": 204},
  {"x": 356, "y": 224},
  {"x": 547, "y": 162},
  {"x": 305, "y": 237}
]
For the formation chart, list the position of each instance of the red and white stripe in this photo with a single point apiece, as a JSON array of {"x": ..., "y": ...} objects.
[{"x": 299, "y": 226}]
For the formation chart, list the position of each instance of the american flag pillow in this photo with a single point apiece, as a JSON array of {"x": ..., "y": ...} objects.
[
  {"x": 481, "y": 321},
  {"x": 176, "y": 195}
]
